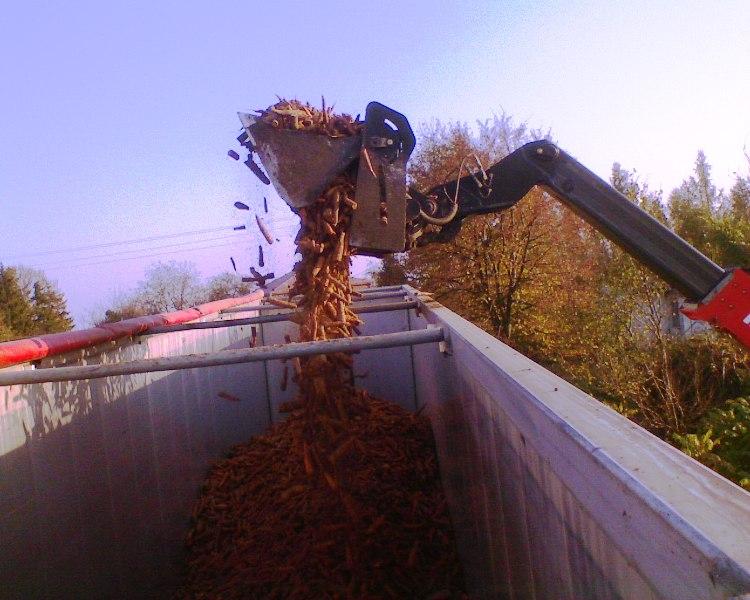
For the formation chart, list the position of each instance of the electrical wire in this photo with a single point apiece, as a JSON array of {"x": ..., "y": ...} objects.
[
  {"x": 122, "y": 242},
  {"x": 282, "y": 224},
  {"x": 78, "y": 259},
  {"x": 107, "y": 262}
]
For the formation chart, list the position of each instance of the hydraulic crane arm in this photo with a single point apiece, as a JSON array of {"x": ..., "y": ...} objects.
[
  {"x": 617, "y": 218},
  {"x": 388, "y": 219},
  {"x": 716, "y": 295}
]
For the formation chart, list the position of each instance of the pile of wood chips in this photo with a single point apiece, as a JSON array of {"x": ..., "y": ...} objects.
[
  {"x": 293, "y": 114},
  {"x": 343, "y": 499}
]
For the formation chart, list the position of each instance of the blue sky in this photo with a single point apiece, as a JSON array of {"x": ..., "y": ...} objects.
[{"x": 116, "y": 117}]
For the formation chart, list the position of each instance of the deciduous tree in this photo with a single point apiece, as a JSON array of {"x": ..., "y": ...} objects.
[
  {"x": 702, "y": 214},
  {"x": 509, "y": 271},
  {"x": 170, "y": 286},
  {"x": 226, "y": 285}
]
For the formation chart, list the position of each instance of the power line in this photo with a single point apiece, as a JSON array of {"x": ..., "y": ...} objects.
[
  {"x": 251, "y": 240},
  {"x": 122, "y": 242},
  {"x": 282, "y": 221},
  {"x": 107, "y": 262},
  {"x": 78, "y": 259}
]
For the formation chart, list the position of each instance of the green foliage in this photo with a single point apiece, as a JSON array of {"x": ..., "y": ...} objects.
[
  {"x": 391, "y": 272},
  {"x": 50, "y": 312},
  {"x": 663, "y": 381},
  {"x": 682, "y": 388},
  {"x": 722, "y": 441},
  {"x": 698, "y": 190},
  {"x": 739, "y": 198},
  {"x": 717, "y": 226},
  {"x": 6, "y": 333},
  {"x": 624, "y": 408},
  {"x": 30, "y": 304},
  {"x": 15, "y": 306},
  {"x": 698, "y": 446},
  {"x": 630, "y": 186}
]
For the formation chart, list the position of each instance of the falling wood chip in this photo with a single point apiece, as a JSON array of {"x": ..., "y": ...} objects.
[
  {"x": 281, "y": 303},
  {"x": 264, "y": 229}
]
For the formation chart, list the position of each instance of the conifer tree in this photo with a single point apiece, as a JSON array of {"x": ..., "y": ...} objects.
[
  {"x": 5, "y": 332},
  {"x": 15, "y": 307},
  {"x": 50, "y": 312}
]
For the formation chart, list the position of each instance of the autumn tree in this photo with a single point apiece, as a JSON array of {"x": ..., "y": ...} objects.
[
  {"x": 509, "y": 271},
  {"x": 226, "y": 285},
  {"x": 622, "y": 306},
  {"x": 543, "y": 281},
  {"x": 169, "y": 286},
  {"x": 391, "y": 272}
]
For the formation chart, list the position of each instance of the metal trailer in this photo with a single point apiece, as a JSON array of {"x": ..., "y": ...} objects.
[{"x": 552, "y": 494}]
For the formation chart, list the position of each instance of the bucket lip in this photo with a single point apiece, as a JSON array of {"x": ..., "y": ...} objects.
[
  {"x": 300, "y": 164},
  {"x": 247, "y": 119}
]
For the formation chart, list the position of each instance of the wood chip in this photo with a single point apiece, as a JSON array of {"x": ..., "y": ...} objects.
[{"x": 335, "y": 501}]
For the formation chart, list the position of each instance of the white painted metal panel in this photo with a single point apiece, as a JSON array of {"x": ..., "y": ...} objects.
[
  {"x": 552, "y": 494},
  {"x": 98, "y": 478},
  {"x": 590, "y": 505},
  {"x": 274, "y": 333},
  {"x": 387, "y": 373}
]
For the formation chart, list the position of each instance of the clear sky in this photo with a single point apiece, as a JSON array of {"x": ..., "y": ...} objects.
[{"x": 116, "y": 116}]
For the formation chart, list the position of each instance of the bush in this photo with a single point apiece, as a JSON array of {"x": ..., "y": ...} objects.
[{"x": 723, "y": 441}]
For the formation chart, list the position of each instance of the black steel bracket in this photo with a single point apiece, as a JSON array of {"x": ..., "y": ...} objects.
[{"x": 379, "y": 223}]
